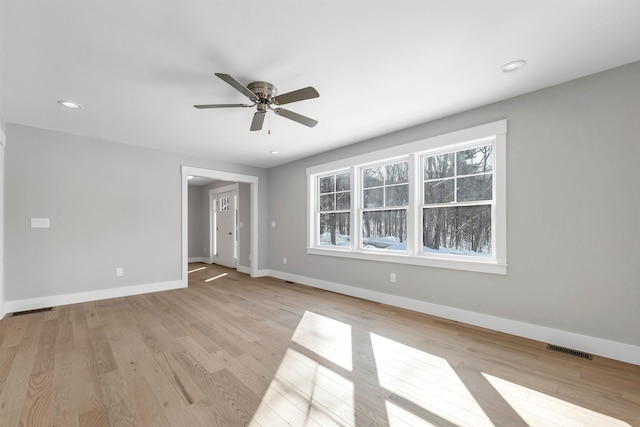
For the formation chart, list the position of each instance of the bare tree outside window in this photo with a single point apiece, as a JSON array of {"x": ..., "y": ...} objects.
[
  {"x": 458, "y": 196},
  {"x": 334, "y": 205},
  {"x": 385, "y": 195}
]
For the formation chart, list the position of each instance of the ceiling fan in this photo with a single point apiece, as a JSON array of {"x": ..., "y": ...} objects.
[{"x": 263, "y": 96}]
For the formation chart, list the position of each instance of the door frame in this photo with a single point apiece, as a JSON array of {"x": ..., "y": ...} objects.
[
  {"x": 235, "y": 190},
  {"x": 253, "y": 182},
  {"x": 3, "y": 140}
]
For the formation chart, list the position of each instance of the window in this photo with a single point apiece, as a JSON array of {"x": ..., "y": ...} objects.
[
  {"x": 224, "y": 204},
  {"x": 385, "y": 196},
  {"x": 334, "y": 202},
  {"x": 456, "y": 209},
  {"x": 436, "y": 202}
]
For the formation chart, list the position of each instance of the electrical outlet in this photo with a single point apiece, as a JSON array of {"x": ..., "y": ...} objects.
[
  {"x": 273, "y": 224},
  {"x": 39, "y": 222},
  {"x": 392, "y": 277},
  {"x": 284, "y": 260},
  {"x": 119, "y": 272}
]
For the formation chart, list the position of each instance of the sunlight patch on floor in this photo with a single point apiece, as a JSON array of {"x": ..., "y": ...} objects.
[
  {"x": 537, "y": 408},
  {"x": 326, "y": 337},
  {"x": 314, "y": 385},
  {"x": 215, "y": 277},
  {"x": 426, "y": 381},
  {"x": 309, "y": 393},
  {"x": 197, "y": 269}
]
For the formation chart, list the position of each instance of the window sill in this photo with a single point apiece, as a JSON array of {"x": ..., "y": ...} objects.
[{"x": 490, "y": 267}]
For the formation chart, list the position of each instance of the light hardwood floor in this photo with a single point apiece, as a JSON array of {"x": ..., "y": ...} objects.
[{"x": 241, "y": 351}]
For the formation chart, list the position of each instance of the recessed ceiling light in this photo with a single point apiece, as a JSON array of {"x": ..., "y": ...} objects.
[
  {"x": 275, "y": 152},
  {"x": 70, "y": 104},
  {"x": 512, "y": 66}
]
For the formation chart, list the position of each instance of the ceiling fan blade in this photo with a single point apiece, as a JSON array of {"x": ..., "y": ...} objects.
[
  {"x": 296, "y": 95},
  {"x": 296, "y": 117},
  {"x": 237, "y": 86},
  {"x": 258, "y": 119},
  {"x": 221, "y": 105}
]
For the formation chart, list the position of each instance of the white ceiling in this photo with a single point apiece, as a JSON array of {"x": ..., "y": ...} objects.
[{"x": 138, "y": 66}]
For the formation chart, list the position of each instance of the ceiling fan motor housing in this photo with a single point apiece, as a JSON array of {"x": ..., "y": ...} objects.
[{"x": 263, "y": 90}]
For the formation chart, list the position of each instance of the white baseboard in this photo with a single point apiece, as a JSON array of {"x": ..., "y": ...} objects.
[
  {"x": 244, "y": 269},
  {"x": 199, "y": 259},
  {"x": 598, "y": 346},
  {"x": 58, "y": 300},
  {"x": 263, "y": 273}
]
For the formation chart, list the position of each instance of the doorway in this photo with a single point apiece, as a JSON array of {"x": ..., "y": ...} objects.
[
  {"x": 222, "y": 176},
  {"x": 223, "y": 203}
]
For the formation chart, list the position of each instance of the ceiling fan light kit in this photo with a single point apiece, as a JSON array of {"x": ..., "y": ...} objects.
[{"x": 263, "y": 96}]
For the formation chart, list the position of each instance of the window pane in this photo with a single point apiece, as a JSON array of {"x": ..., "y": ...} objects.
[
  {"x": 373, "y": 198},
  {"x": 398, "y": 195},
  {"x": 335, "y": 229},
  {"x": 464, "y": 230},
  {"x": 475, "y": 160},
  {"x": 439, "y": 191},
  {"x": 327, "y": 202},
  {"x": 343, "y": 201},
  {"x": 397, "y": 173},
  {"x": 372, "y": 177},
  {"x": 343, "y": 182},
  {"x": 439, "y": 166},
  {"x": 327, "y": 184},
  {"x": 385, "y": 229},
  {"x": 474, "y": 188}
]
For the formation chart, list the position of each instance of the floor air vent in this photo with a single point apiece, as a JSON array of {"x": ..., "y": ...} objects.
[
  {"x": 38, "y": 310},
  {"x": 569, "y": 351}
]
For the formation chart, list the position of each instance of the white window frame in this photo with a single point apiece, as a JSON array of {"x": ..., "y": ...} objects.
[
  {"x": 494, "y": 133},
  {"x": 421, "y": 204},
  {"x": 317, "y": 212}
]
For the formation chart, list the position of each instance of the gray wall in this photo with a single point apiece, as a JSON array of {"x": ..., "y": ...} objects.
[
  {"x": 196, "y": 238},
  {"x": 573, "y": 213},
  {"x": 110, "y": 204}
]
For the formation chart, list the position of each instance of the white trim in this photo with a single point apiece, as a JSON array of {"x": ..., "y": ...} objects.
[
  {"x": 243, "y": 269},
  {"x": 253, "y": 181},
  {"x": 199, "y": 259},
  {"x": 58, "y": 300},
  {"x": 402, "y": 258},
  {"x": 602, "y": 347},
  {"x": 464, "y": 135},
  {"x": 2, "y": 163},
  {"x": 263, "y": 273}
]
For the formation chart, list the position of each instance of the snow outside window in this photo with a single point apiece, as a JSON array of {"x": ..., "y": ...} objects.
[
  {"x": 438, "y": 202},
  {"x": 457, "y": 202},
  {"x": 385, "y": 196}
]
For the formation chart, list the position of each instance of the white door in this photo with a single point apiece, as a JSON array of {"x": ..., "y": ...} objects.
[{"x": 225, "y": 229}]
